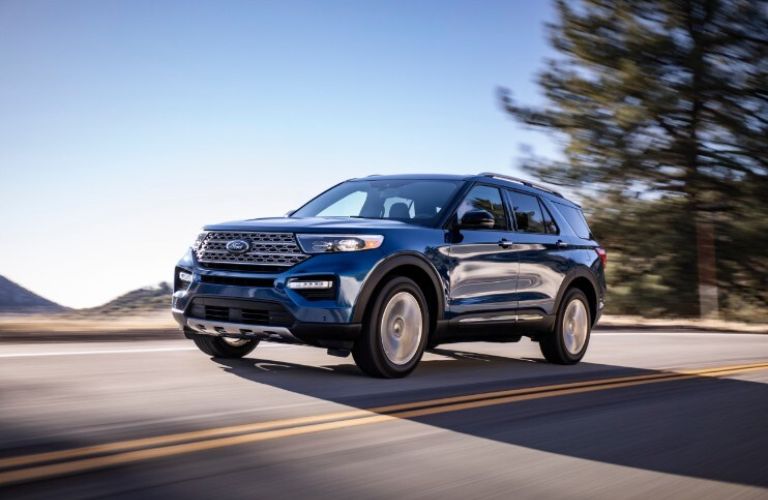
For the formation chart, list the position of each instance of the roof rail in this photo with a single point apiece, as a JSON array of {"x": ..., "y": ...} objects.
[{"x": 521, "y": 181}]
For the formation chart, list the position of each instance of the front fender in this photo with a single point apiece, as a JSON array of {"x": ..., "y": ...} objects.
[{"x": 390, "y": 264}]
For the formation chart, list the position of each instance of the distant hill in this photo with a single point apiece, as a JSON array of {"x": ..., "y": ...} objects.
[
  {"x": 14, "y": 298},
  {"x": 141, "y": 300}
]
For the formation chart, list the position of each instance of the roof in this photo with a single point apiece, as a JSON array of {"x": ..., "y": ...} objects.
[{"x": 447, "y": 177}]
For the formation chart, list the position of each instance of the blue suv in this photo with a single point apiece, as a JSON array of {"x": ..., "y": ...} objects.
[{"x": 384, "y": 267}]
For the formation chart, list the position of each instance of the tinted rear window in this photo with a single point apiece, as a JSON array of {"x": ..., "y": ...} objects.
[
  {"x": 575, "y": 218},
  {"x": 528, "y": 215}
]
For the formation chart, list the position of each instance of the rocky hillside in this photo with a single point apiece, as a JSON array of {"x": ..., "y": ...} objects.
[
  {"x": 146, "y": 299},
  {"x": 14, "y": 298}
]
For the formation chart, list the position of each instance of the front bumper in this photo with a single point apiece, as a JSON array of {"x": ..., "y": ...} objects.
[
  {"x": 333, "y": 335},
  {"x": 325, "y": 322},
  {"x": 240, "y": 330}
]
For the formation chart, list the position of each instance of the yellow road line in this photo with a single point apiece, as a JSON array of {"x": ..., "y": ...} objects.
[
  {"x": 133, "y": 444},
  {"x": 303, "y": 425},
  {"x": 546, "y": 388},
  {"x": 562, "y": 392}
]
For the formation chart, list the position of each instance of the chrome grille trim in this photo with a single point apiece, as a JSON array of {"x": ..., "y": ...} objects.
[{"x": 270, "y": 249}]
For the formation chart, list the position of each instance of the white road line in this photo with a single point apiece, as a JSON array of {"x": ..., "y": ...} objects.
[
  {"x": 638, "y": 334},
  {"x": 109, "y": 351}
]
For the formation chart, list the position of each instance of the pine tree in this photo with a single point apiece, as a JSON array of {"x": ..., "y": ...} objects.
[{"x": 660, "y": 96}]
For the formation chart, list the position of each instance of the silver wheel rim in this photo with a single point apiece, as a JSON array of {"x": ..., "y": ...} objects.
[
  {"x": 235, "y": 342},
  {"x": 401, "y": 328},
  {"x": 575, "y": 326}
]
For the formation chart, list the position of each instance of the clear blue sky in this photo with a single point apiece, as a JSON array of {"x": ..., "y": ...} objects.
[{"x": 125, "y": 126}]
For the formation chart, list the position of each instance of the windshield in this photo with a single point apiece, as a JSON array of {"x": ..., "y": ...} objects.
[{"x": 419, "y": 201}]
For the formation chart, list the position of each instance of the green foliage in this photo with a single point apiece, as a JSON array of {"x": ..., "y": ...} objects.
[
  {"x": 652, "y": 263},
  {"x": 663, "y": 109},
  {"x": 659, "y": 95},
  {"x": 742, "y": 256},
  {"x": 652, "y": 266}
]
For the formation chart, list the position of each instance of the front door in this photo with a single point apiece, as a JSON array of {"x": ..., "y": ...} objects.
[{"x": 483, "y": 263}]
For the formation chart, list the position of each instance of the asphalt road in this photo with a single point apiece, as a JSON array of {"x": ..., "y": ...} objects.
[{"x": 645, "y": 415}]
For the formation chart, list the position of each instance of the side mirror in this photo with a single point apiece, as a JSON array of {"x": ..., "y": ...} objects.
[
  {"x": 477, "y": 219},
  {"x": 289, "y": 213}
]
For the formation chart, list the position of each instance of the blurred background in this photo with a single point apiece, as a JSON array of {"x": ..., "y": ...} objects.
[{"x": 125, "y": 126}]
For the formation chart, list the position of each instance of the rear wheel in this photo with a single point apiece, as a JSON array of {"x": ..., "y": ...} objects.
[
  {"x": 224, "y": 347},
  {"x": 395, "y": 331},
  {"x": 568, "y": 341}
]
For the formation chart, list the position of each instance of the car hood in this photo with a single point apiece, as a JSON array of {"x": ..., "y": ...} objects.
[{"x": 310, "y": 225}]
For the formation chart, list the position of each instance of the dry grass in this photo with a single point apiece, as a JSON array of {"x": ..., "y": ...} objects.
[
  {"x": 74, "y": 322},
  {"x": 607, "y": 321}
]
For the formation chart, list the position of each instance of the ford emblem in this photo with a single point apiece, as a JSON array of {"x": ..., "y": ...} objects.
[{"x": 238, "y": 246}]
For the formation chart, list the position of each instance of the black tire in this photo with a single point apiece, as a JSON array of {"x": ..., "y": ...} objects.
[
  {"x": 368, "y": 351},
  {"x": 218, "y": 348},
  {"x": 553, "y": 344}
]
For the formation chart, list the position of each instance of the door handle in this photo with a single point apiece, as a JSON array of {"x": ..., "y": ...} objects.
[
  {"x": 561, "y": 244},
  {"x": 505, "y": 243}
]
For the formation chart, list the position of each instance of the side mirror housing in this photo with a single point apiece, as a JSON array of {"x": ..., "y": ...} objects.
[{"x": 477, "y": 219}]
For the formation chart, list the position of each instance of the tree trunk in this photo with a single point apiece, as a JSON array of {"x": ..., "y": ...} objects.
[
  {"x": 707, "y": 268},
  {"x": 705, "y": 230}
]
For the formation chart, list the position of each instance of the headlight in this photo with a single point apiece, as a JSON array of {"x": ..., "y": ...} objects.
[
  {"x": 326, "y": 243},
  {"x": 199, "y": 240},
  {"x": 185, "y": 276},
  {"x": 182, "y": 279}
]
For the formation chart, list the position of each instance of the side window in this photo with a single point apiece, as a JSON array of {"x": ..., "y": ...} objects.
[
  {"x": 485, "y": 198},
  {"x": 527, "y": 213},
  {"x": 549, "y": 223}
]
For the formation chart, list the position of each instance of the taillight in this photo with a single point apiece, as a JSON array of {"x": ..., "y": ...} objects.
[{"x": 602, "y": 254}]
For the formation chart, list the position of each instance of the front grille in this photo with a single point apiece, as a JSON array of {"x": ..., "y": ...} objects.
[
  {"x": 250, "y": 312},
  {"x": 216, "y": 313},
  {"x": 245, "y": 267},
  {"x": 270, "y": 252},
  {"x": 236, "y": 280},
  {"x": 255, "y": 316}
]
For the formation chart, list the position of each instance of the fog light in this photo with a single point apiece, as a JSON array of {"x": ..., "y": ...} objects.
[
  {"x": 186, "y": 277},
  {"x": 310, "y": 284}
]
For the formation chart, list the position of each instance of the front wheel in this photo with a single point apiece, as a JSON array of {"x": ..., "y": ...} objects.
[
  {"x": 567, "y": 343},
  {"x": 395, "y": 331},
  {"x": 224, "y": 347}
]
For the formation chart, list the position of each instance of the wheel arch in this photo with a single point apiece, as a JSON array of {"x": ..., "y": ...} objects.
[
  {"x": 585, "y": 281},
  {"x": 413, "y": 266}
]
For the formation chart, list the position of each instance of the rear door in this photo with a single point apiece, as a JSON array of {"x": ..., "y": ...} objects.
[
  {"x": 540, "y": 252},
  {"x": 484, "y": 267}
]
